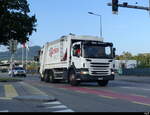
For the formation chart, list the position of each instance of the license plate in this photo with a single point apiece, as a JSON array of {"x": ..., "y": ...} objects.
[{"x": 100, "y": 78}]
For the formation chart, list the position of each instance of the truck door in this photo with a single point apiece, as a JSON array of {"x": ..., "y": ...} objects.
[{"x": 76, "y": 55}]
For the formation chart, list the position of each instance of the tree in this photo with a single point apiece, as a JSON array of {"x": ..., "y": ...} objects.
[
  {"x": 125, "y": 56},
  {"x": 15, "y": 23},
  {"x": 143, "y": 60}
]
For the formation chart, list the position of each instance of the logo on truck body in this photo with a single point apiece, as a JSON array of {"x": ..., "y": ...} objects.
[{"x": 53, "y": 51}]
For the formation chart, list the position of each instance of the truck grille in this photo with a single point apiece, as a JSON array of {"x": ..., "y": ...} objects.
[
  {"x": 99, "y": 69},
  {"x": 20, "y": 72}
]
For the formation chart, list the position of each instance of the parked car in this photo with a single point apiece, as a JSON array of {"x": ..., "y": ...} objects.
[{"x": 17, "y": 71}]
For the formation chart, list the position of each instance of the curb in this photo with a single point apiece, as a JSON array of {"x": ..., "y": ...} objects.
[
  {"x": 131, "y": 80},
  {"x": 36, "y": 98}
]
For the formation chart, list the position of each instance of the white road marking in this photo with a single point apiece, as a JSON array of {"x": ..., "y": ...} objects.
[
  {"x": 141, "y": 103},
  {"x": 59, "y": 106},
  {"x": 4, "y": 111},
  {"x": 5, "y": 98},
  {"x": 33, "y": 90},
  {"x": 48, "y": 103},
  {"x": 137, "y": 88},
  {"x": 109, "y": 97},
  {"x": 10, "y": 91},
  {"x": 67, "y": 110}
]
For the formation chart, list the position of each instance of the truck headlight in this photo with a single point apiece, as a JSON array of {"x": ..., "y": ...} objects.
[
  {"x": 84, "y": 71},
  {"x": 113, "y": 72}
]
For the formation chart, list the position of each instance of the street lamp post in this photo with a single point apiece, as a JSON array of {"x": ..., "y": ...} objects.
[{"x": 100, "y": 22}]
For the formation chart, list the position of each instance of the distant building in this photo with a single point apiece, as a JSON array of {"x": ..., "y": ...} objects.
[
  {"x": 125, "y": 64},
  {"x": 5, "y": 61}
]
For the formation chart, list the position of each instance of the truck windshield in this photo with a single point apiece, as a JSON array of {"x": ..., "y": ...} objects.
[{"x": 97, "y": 51}]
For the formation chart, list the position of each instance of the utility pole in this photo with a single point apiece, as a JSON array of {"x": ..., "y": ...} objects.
[
  {"x": 100, "y": 17},
  {"x": 12, "y": 48},
  {"x": 125, "y": 5},
  {"x": 27, "y": 51},
  {"x": 149, "y": 7},
  {"x": 22, "y": 56}
]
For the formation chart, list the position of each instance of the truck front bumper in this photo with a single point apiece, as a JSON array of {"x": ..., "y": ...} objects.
[{"x": 90, "y": 78}]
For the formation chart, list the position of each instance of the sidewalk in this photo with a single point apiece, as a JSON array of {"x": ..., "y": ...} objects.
[{"x": 138, "y": 79}]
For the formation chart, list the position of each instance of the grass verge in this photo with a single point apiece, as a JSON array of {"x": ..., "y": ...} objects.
[{"x": 9, "y": 79}]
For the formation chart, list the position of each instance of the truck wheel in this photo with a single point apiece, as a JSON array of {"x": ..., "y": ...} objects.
[
  {"x": 25, "y": 75},
  {"x": 51, "y": 77},
  {"x": 42, "y": 79},
  {"x": 72, "y": 79},
  {"x": 103, "y": 83},
  {"x": 46, "y": 78}
]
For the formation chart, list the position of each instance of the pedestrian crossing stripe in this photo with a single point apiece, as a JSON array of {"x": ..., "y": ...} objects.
[
  {"x": 10, "y": 91},
  {"x": 5, "y": 98},
  {"x": 66, "y": 110},
  {"x": 58, "y": 107},
  {"x": 1, "y": 111},
  {"x": 50, "y": 103}
]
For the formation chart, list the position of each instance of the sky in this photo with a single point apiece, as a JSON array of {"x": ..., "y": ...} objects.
[{"x": 128, "y": 31}]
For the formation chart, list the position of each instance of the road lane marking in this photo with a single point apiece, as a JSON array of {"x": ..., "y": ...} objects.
[
  {"x": 33, "y": 90},
  {"x": 137, "y": 88},
  {"x": 107, "y": 97},
  {"x": 141, "y": 103},
  {"x": 5, "y": 98},
  {"x": 3, "y": 111},
  {"x": 10, "y": 91}
]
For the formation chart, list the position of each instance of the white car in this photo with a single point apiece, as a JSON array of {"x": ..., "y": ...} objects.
[{"x": 17, "y": 71}]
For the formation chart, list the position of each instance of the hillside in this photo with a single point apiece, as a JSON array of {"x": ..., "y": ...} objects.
[{"x": 33, "y": 51}]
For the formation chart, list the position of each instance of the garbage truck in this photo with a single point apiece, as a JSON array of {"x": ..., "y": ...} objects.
[{"x": 77, "y": 58}]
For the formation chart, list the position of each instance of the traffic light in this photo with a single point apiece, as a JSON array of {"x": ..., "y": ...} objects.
[
  {"x": 114, "y": 6},
  {"x": 13, "y": 45}
]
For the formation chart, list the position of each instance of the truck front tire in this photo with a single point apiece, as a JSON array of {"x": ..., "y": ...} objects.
[
  {"x": 42, "y": 79},
  {"x": 46, "y": 77},
  {"x": 72, "y": 79},
  {"x": 51, "y": 78},
  {"x": 103, "y": 83}
]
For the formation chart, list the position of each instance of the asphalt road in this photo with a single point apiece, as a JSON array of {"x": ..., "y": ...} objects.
[{"x": 118, "y": 96}]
